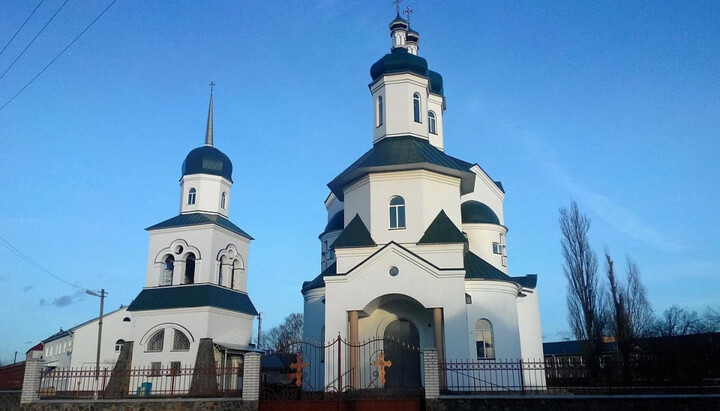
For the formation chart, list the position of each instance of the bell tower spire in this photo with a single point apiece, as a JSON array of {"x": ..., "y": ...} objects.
[{"x": 209, "y": 129}]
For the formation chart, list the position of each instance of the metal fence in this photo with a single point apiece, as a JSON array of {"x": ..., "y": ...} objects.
[
  {"x": 575, "y": 376},
  {"x": 492, "y": 376},
  {"x": 141, "y": 382}
]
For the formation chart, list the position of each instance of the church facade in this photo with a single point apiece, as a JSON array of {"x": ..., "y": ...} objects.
[{"x": 414, "y": 247}]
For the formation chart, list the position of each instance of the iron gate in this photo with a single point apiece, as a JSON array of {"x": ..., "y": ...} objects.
[{"x": 377, "y": 368}]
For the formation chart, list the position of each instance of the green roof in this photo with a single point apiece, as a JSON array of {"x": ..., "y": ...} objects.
[
  {"x": 318, "y": 281},
  {"x": 197, "y": 295},
  {"x": 354, "y": 235},
  {"x": 442, "y": 230},
  {"x": 404, "y": 153},
  {"x": 207, "y": 160},
  {"x": 335, "y": 223},
  {"x": 477, "y": 212},
  {"x": 191, "y": 219},
  {"x": 478, "y": 269},
  {"x": 399, "y": 60},
  {"x": 527, "y": 281}
]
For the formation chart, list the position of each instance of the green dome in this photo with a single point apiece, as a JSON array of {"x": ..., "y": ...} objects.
[
  {"x": 207, "y": 160},
  {"x": 476, "y": 212},
  {"x": 399, "y": 61},
  {"x": 436, "y": 82},
  {"x": 337, "y": 222},
  {"x": 398, "y": 23}
]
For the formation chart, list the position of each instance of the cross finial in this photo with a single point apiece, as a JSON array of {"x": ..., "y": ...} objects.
[
  {"x": 397, "y": 5},
  {"x": 212, "y": 86},
  {"x": 408, "y": 11}
]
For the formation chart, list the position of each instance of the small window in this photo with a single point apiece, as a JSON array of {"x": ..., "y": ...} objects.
[
  {"x": 181, "y": 341},
  {"x": 119, "y": 344},
  {"x": 175, "y": 367},
  {"x": 379, "y": 111},
  {"x": 397, "y": 212},
  {"x": 191, "y": 196},
  {"x": 223, "y": 198},
  {"x": 468, "y": 299},
  {"x": 416, "y": 108},
  {"x": 155, "y": 368},
  {"x": 168, "y": 270},
  {"x": 484, "y": 339},
  {"x": 432, "y": 124},
  {"x": 156, "y": 342}
]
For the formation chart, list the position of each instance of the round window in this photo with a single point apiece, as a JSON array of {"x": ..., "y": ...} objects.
[
  {"x": 179, "y": 249},
  {"x": 393, "y": 271}
]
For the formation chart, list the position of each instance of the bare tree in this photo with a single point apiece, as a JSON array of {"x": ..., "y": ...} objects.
[
  {"x": 586, "y": 307},
  {"x": 619, "y": 319},
  {"x": 281, "y": 335},
  {"x": 711, "y": 318},
  {"x": 678, "y": 321},
  {"x": 639, "y": 312}
]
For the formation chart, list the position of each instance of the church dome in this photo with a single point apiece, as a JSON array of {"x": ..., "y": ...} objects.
[
  {"x": 207, "y": 160},
  {"x": 476, "y": 212},
  {"x": 398, "y": 23},
  {"x": 436, "y": 82},
  {"x": 337, "y": 222},
  {"x": 399, "y": 61}
]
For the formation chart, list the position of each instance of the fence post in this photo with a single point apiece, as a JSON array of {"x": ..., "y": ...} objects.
[
  {"x": 251, "y": 378},
  {"x": 31, "y": 381},
  {"x": 432, "y": 374}
]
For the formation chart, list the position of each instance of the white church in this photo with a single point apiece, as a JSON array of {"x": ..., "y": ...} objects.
[
  {"x": 195, "y": 284},
  {"x": 414, "y": 247}
]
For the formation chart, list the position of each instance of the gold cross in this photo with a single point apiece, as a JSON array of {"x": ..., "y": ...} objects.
[
  {"x": 381, "y": 364},
  {"x": 298, "y": 366}
]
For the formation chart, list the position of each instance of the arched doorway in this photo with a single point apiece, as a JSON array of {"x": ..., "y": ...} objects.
[{"x": 405, "y": 369}]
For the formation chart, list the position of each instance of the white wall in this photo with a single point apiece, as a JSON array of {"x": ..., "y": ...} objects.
[
  {"x": 209, "y": 189},
  {"x": 496, "y": 302},
  {"x": 84, "y": 353}
]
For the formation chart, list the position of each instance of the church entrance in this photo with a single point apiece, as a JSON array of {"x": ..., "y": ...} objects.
[{"x": 405, "y": 370}]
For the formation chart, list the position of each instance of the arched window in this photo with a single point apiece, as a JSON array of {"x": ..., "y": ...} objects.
[
  {"x": 190, "y": 268},
  {"x": 416, "y": 107},
  {"x": 379, "y": 111},
  {"x": 484, "y": 339},
  {"x": 224, "y": 263},
  {"x": 119, "y": 344},
  {"x": 223, "y": 198},
  {"x": 191, "y": 196},
  {"x": 168, "y": 270},
  {"x": 432, "y": 125},
  {"x": 180, "y": 341},
  {"x": 397, "y": 212},
  {"x": 236, "y": 267},
  {"x": 156, "y": 342}
]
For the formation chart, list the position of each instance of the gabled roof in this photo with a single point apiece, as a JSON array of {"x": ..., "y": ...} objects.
[
  {"x": 198, "y": 295},
  {"x": 478, "y": 269},
  {"x": 404, "y": 153},
  {"x": 60, "y": 334},
  {"x": 442, "y": 230},
  {"x": 354, "y": 235},
  {"x": 191, "y": 219},
  {"x": 318, "y": 281}
]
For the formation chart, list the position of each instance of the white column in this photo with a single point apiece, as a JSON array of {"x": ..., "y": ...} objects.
[{"x": 31, "y": 381}]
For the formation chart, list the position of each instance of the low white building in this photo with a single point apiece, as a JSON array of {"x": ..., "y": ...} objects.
[{"x": 414, "y": 248}]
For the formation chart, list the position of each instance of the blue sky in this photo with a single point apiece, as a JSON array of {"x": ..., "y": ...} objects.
[{"x": 613, "y": 104}]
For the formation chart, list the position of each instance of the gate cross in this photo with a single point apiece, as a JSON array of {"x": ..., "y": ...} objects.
[
  {"x": 381, "y": 364},
  {"x": 298, "y": 366}
]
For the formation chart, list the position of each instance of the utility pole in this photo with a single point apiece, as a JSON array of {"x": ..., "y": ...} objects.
[
  {"x": 102, "y": 295},
  {"x": 15, "y": 358},
  {"x": 259, "y": 328}
]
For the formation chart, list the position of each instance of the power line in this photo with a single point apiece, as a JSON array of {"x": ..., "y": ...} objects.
[
  {"x": 21, "y": 27},
  {"x": 33, "y": 40},
  {"x": 30, "y": 261},
  {"x": 58, "y": 56}
]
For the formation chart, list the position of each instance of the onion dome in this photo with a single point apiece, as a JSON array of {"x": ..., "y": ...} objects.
[
  {"x": 413, "y": 36},
  {"x": 207, "y": 160},
  {"x": 474, "y": 212},
  {"x": 336, "y": 222},
  {"x": 436, "y": 82},
  {"x": 398, "y": 23},
  {"x": 399, "y": 61}
]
